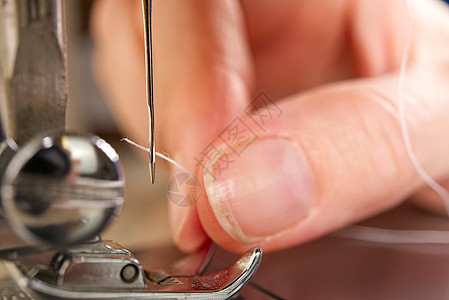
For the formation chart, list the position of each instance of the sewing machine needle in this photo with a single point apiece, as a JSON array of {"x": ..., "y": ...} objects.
[{"x": 147, "y": 20}]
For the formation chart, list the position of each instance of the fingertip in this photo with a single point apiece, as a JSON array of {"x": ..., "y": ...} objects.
[{"x": 188, "y": 234}]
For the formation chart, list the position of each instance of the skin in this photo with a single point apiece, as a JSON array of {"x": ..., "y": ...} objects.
[{"x": 331, "y": 67}]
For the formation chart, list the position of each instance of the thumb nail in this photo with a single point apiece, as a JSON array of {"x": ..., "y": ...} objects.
[{"x": 265, "y": 189}]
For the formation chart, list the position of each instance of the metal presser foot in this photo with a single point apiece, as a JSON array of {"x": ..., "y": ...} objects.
[
  {"x": 60, "y": 190},
  {"x": 105, "y": 270}
]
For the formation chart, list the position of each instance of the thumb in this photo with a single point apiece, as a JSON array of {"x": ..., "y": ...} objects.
[{"x": 335, "y": 156}]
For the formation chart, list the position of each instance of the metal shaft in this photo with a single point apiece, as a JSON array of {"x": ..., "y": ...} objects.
[
  {"x": 33, "y": 84},
  {"x": 33, "y": 87}
]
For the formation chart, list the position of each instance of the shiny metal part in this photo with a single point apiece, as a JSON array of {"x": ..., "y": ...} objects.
[
  {"x": 92, "y": 266},
  {"x": 96, "y": 272},
  {"x": 148, "y": 36},
  {"x": 58, "y": 190},
  {"x": 33, "y": 85}
]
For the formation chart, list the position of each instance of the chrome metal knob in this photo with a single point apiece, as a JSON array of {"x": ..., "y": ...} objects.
[{"x": 62, "y": 189}]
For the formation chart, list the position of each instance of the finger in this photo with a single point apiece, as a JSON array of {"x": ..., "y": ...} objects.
[
  {"x": 201, "y": 81},
  {"x": 334, "y": 157},
  {"x": 428, "y": 199},
  {"x": 300, "y": 44},
  {"x": 118, "y": 63}
]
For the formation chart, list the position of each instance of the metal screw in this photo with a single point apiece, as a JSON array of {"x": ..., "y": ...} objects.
[{"x": 129, "y": 273}]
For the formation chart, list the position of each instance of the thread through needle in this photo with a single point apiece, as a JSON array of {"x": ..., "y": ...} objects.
[{"x": 160, "y": 155}]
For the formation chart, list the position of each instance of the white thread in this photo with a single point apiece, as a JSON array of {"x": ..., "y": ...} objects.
[
  {"x": 441, "y": 191},
  {"x": 160, "y": 155},
  {"x": 393, "y": 236}
]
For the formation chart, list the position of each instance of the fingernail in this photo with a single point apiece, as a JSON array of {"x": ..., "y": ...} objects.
[{"x": 264, "y": 190}]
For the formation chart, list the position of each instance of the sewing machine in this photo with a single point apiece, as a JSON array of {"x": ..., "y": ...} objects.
[{"x": 60, "y": 190}]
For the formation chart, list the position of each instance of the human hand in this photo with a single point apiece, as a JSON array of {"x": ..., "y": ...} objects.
[{"x": 336, "y": 154}]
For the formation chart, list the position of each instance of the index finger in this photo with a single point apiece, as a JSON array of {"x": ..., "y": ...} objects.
[{"x": 203, "y": 77}]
